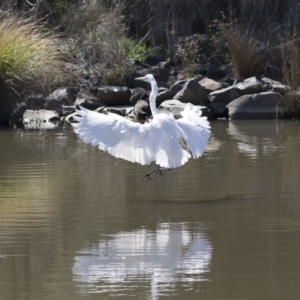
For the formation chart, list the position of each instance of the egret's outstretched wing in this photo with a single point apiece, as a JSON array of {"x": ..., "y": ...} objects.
[
  {"x": 195, "y": 128},
  {"x": 142, "y": 143},
  {"x": 116, "y": 135}
]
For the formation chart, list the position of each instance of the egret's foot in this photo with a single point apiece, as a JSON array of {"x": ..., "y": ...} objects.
[{"x": 158, "y": 170}]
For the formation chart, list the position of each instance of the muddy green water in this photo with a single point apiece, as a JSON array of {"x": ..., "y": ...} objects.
[{"x": 76, "y": 223}]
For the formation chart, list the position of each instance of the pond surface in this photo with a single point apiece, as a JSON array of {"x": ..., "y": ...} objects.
[{"x": 76, "y": 223}]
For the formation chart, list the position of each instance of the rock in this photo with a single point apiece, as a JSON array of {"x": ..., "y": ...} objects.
[
  {"x": 142, "y": 110},
  {"x": 114, "y": 95},
  {"x": 176, "y": 107},
  {"x": 138, "y": 94},
  {"x": 172, "y": 80},
  {"x": 17, "y": 115},
  {"x": 258, "y": 106},
  {"x": 122, "y": 110},
  {"x": 162, "y": 85},
  {"x": 173, "y": 106},
  {"x": 229, "y": 81},
  {"x": 37, "y": 119},
  {"x": 35, "y": 101},
  {"x": 115, "y": 110},
  {"x": 163, "y": 96},
  {"x": 190, "y": 72},
  {"x": 133, "y": 83},
  {"x": 164, "y": 65},
  {"x": 153, "y": 60},
  {"x": 269, "y": 81},
  {"x": 177, "y": 86},
  {"x": 67, "y": 110},
  {"x": 130, "y": 115},
  {"x": 275, "y": 86},
  {"x": 218, "y": 109},
  {"x": 218, "y": 72},
  {"x": 249, "y": 86},
  {"x": 66, "y": 95},
  {"x": 89, "y": 103},
  {"x": 160, "y": 74},
  {"x": 192, "y": 92},
  {"x": 224, "y": 95},
  {"x": 63, "y": 96},
  {"x": 210, "y": 85},
  {"x": 280, "y": 88}
]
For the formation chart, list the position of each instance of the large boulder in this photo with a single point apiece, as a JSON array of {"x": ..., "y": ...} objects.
[
  {"x": 249, "y": 86},
  {"x": 258, "y": 106},
  {"x": 224, "y": 95},
  {"x": 163, "y": 96},
  {"x": 89, "y": 102},
  {"x": 192, "y": 92},
  {"x": 218, "y": 109},
  {"x": 114, "y": 95}
]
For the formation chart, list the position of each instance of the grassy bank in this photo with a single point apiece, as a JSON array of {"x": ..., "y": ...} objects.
[{"x": 258, "y": 37}]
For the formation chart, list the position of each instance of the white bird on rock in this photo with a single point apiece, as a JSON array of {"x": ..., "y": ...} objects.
[{"x": 165, "y": 140}]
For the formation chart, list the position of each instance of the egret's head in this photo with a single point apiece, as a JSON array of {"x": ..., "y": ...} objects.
[{"x": 149, "y": 78}]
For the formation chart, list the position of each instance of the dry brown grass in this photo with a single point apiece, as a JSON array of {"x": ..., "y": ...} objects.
[
  {"x": 97, "y": 34},
  {"x": 291, "y": 76},
  {"x": 251, "y": 52}
]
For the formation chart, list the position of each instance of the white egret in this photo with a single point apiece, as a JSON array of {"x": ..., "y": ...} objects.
[{"x": 168, "y": 141}]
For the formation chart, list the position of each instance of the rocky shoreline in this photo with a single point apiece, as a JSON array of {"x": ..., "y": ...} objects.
[{"x": 217, "y": 93}]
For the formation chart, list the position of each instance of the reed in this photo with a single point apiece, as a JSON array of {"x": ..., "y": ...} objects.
[
  {"x": 250, "y": 52},
  {"x": 290, "y": 69}
]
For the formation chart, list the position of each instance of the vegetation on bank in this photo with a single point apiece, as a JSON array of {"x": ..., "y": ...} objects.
[
  {"x": 28, "y": 58},
  {"x": 257, "y": 37}
]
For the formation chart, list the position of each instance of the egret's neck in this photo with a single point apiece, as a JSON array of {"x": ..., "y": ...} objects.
[{"x": 152, "y": 98}]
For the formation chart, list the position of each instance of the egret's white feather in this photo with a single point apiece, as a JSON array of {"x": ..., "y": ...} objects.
[{"x": 156, "y": 141}]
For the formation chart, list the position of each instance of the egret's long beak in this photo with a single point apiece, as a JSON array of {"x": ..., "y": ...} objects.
[{"x": 139, "y": 78}]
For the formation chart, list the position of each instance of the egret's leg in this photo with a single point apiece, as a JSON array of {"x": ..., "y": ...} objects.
[{"x": 157, "y": 170}]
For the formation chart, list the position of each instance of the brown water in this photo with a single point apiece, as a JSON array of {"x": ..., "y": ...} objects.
[{"x": 76, "y": 223}]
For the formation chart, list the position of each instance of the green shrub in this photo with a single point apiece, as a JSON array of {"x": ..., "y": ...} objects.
[{"x": 133, "y": 49}]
